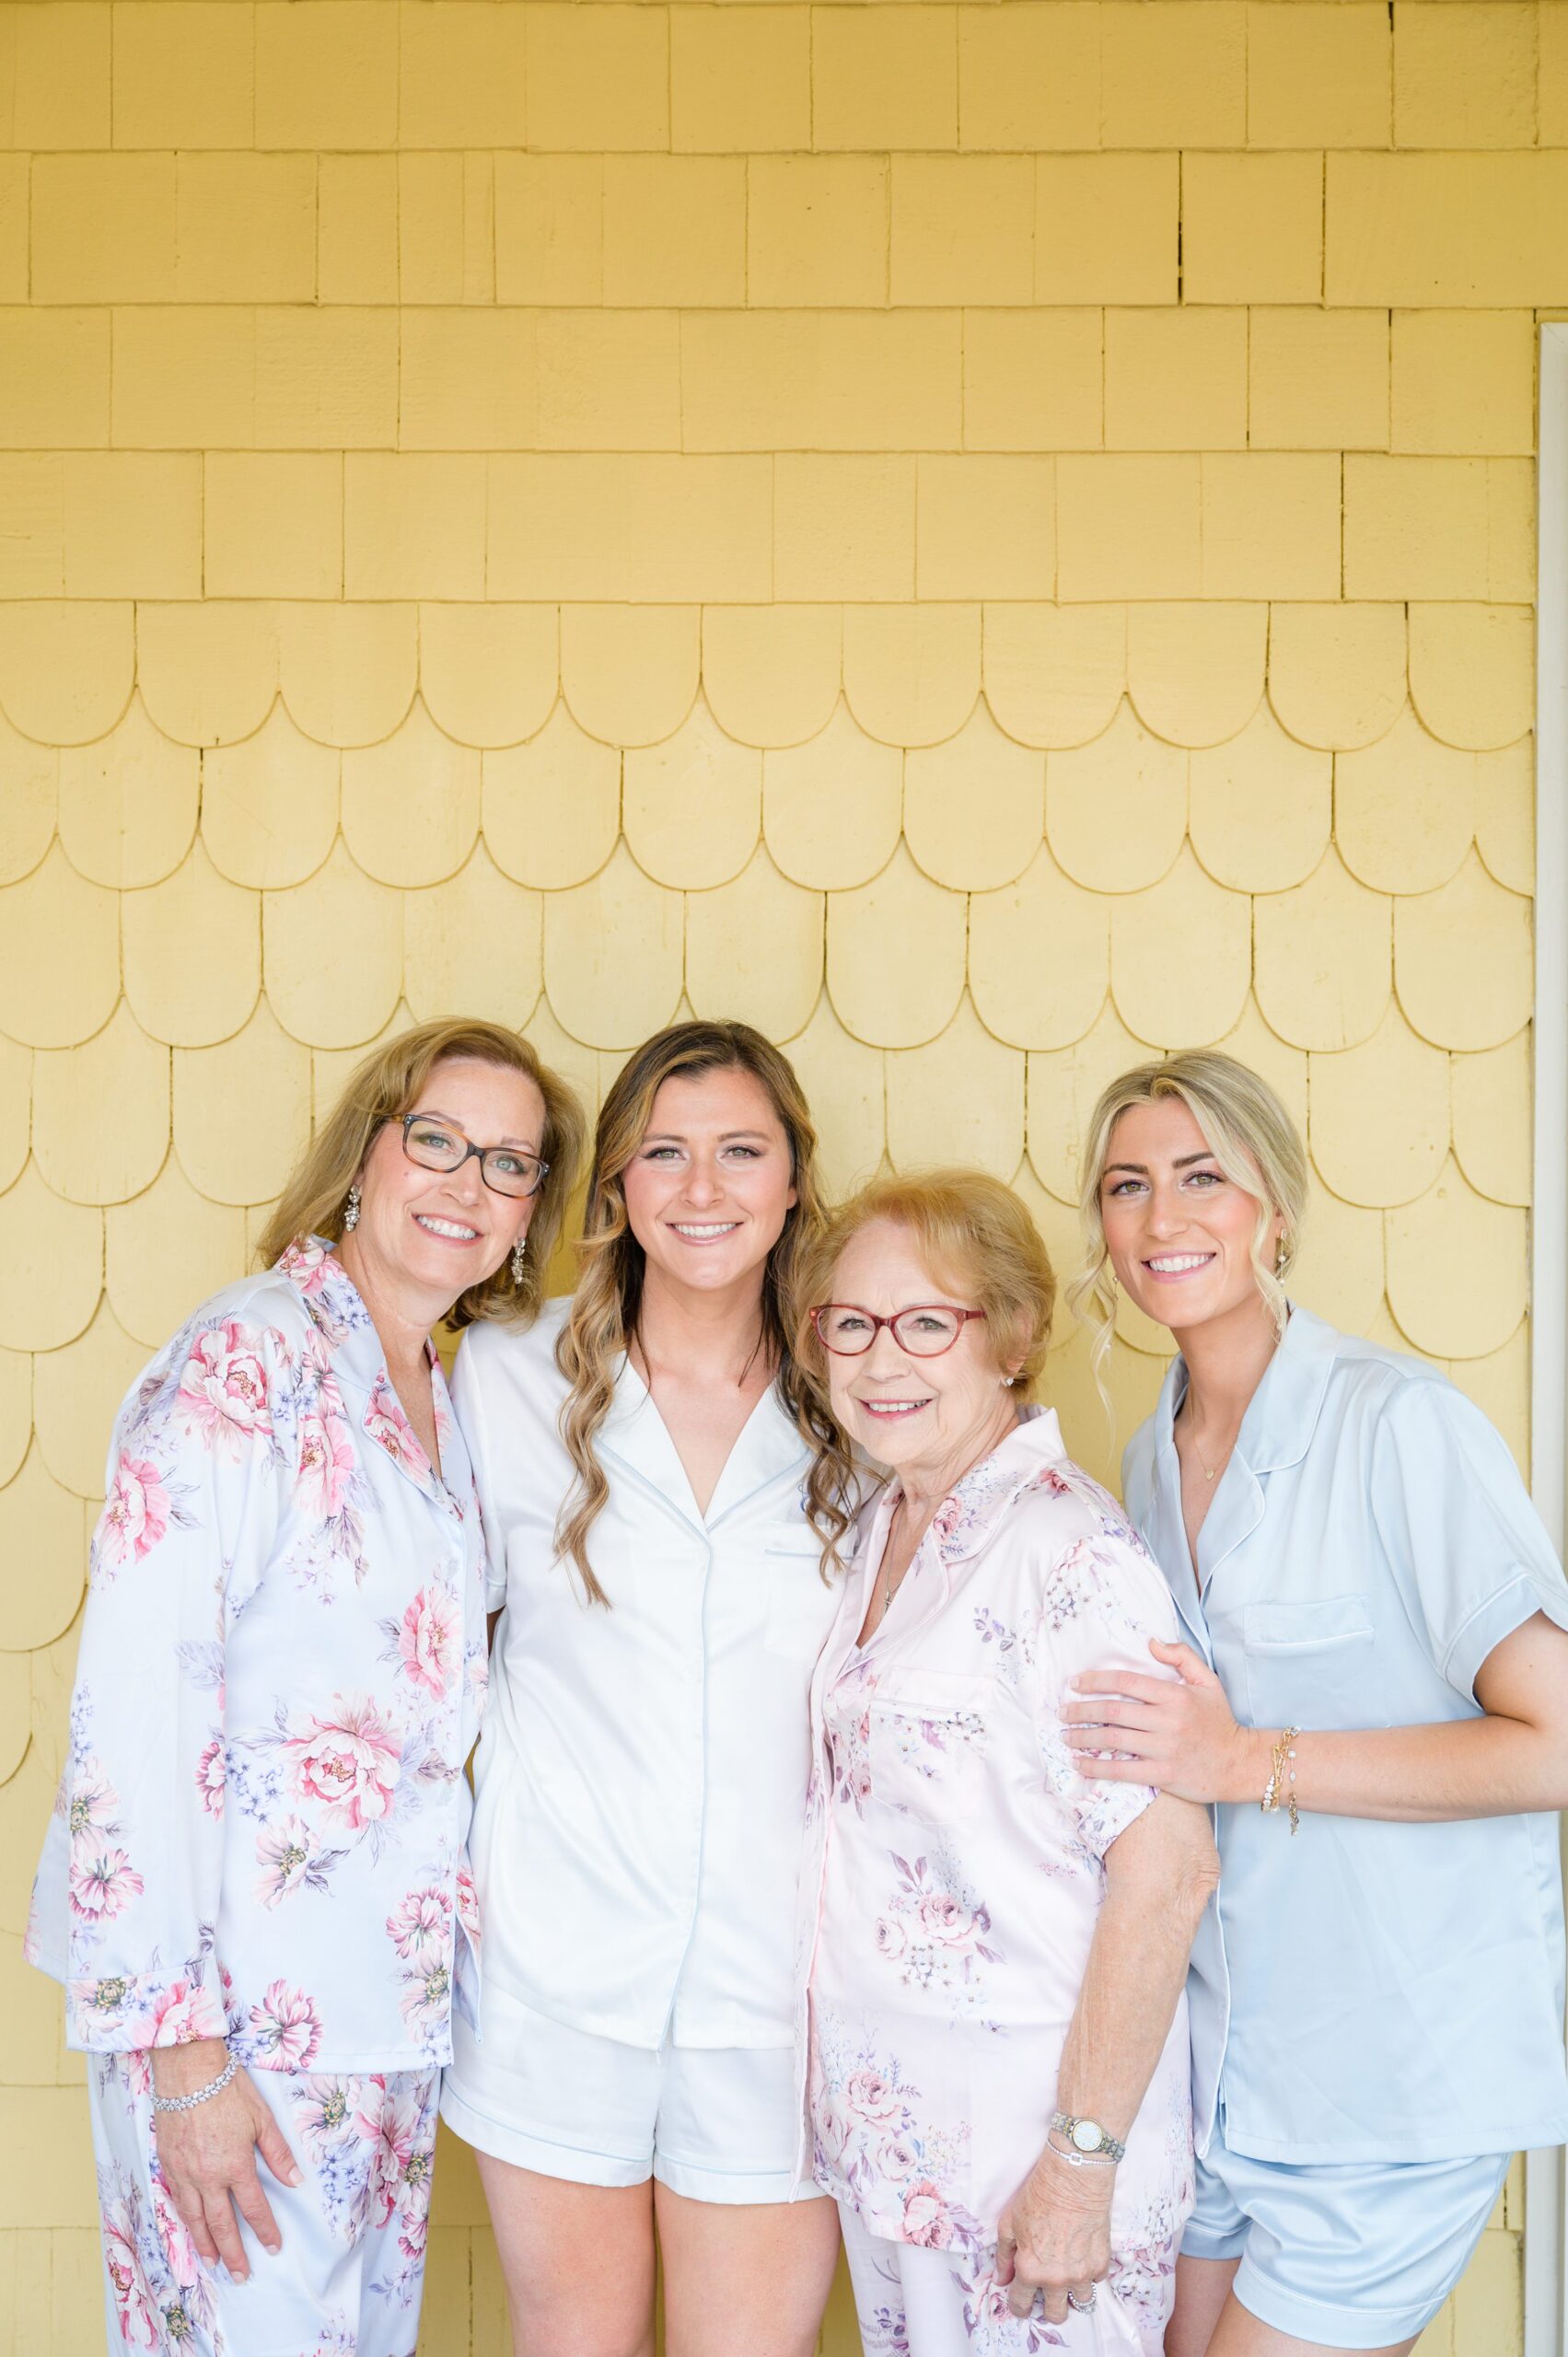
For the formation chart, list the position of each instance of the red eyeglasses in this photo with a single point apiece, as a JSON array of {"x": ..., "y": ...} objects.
[{"x": 925, "y": 1331}]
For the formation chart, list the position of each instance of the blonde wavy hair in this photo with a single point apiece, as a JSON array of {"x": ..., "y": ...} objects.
[
  {"x": 1252, "y": 1137},
  {"x": 602, "y": 1323},
  {"x": 980, "y": 1243},
  {"x": 388, "y": 1084}
]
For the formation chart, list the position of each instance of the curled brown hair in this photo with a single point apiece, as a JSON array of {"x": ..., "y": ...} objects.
[
  {"x": 977, "y": 1238},
  {"x": 388, "y": 1084},
  {"x": 603, "y": 1322}
]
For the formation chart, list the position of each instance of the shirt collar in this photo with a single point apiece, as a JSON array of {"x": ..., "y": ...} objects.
[
  {"x": 1032, "y": 1454},
  {"x": 1283, "y": 1413},
  {"x": 337, "y": 1310},
  {"x": 767, "y": 1447},
  {"x": 333, "y": 1301}
]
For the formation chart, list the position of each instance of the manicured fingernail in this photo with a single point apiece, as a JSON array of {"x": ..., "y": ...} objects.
[{"x": 290, "y": 2175}]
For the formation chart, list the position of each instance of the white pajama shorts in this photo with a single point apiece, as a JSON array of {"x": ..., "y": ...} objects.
[{"x": 713, "y": 2123}]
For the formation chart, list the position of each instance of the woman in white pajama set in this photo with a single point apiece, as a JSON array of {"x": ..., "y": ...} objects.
[
  {"x": 641, "y": 1784},
  {"x": 255, "y": 1884}
]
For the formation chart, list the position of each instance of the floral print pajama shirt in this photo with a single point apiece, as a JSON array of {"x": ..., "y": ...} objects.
[
  {"x": 261, "y": 1831},
  {"x": 955, "y": 1876}
]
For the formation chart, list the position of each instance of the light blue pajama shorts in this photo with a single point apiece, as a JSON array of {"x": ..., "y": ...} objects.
[{"x": 1354, "y": 2255}]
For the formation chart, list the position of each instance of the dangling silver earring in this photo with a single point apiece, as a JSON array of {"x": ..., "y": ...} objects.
[
  {"x": 1281, "y": 1257},
  {"x": 351, "y": 1215},
  {"x": 519, "y": 1255}
]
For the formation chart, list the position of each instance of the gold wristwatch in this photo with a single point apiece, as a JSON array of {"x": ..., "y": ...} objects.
[{"x": 1086, "y": 2136}]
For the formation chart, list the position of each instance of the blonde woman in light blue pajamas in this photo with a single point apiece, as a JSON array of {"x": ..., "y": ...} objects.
[{"x": 1374, "y": 1694}]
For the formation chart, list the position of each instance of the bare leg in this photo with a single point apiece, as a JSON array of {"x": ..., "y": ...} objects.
[
  {"x": 754, "y": 2277},
  {"x": 578, "y": 2261},
  {"x": 1203, "y": 2287},
  {"x": 1241, "y": 2334}
]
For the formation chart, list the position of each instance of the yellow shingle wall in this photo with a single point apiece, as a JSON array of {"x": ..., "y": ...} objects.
[{"x": 984, "y": 538}]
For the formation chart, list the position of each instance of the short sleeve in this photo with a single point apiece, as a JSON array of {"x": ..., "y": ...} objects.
[
  {"x": 1468, "y": 1548},
  {"x": 467, "y": 1405},
  {"x": 1104, "y": 1600}
]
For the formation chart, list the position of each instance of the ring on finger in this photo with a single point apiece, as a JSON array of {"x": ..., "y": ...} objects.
[{"x": 1081, "y": 2307}]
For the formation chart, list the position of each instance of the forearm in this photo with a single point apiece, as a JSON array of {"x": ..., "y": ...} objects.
[
  {"x": 1420, "y": 1775},
  {"x": 1159, "y": 1877}
]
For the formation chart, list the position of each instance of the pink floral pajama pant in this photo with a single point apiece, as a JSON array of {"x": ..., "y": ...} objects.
[
  {"x": 348, "y": 2280},
  {"x": 916, "y": 2303}
]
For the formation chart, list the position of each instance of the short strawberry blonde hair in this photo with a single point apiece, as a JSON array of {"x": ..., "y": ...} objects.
[{"x": 981, "y": 1245}]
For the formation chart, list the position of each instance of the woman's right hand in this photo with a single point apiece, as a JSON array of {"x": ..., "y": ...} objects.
[{"x": 208, "y": 2155}]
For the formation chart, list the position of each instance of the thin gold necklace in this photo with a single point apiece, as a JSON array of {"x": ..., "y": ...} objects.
[
  {"x": 888, "y": 1590},
  {"x": 1208, "y": 1472}
]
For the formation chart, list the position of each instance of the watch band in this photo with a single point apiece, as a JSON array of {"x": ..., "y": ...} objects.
[{"x": 1087, "y": 2136}]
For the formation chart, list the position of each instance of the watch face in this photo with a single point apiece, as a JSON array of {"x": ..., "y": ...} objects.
[{"x": 1087, "y": 2136}]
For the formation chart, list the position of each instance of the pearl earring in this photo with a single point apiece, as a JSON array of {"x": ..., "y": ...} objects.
[
  {"x": 351, "y": 1215},
  {"x": 1281, "y": 1257},
  {"x": 519, "y": 1257}
]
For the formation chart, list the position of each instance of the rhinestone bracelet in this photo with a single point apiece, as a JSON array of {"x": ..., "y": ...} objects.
[{"x": 202, "y": 2095}]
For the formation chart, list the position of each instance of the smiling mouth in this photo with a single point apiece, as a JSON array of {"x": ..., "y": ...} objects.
[
  {"x": 1179, "y": 1264},
  {"x": 889, "y": 1409},
  {"x": 703, "y": 1231},
  {"x": 450, "y": 1231}
]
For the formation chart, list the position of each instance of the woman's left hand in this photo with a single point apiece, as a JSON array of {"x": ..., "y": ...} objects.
[
  {"x": 1178, "y": 1732},
  {"x": 1054, "y": 2237}
]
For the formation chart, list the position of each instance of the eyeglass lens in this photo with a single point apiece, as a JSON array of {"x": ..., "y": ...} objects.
[
  {"x": 924, "y": 1334},
  {"x": 503, "y": 1167}
]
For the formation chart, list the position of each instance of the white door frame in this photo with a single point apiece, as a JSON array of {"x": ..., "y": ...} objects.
[{"x": 1545, "y": 2314}]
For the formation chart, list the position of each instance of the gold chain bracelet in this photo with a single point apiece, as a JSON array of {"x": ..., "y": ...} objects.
[{"x": 1281, "y": 1780}]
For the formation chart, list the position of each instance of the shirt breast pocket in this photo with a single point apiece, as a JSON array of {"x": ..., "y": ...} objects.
[
  {"x": 1312, "y": 1661},
  {"x": 929, "y": 1734},
  {"x": 800, "y": 1604}
]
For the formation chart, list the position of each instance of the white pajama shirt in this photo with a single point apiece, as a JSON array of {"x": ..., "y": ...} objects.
[{"x": 641, "y": 1785}]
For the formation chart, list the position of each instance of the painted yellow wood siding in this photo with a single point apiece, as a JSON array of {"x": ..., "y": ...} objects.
[{"x": 985, "y": 539}]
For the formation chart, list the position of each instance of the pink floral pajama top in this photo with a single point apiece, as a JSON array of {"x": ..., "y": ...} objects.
[
  {"x": 260, "y": 1829},
  {"x": 956, "y": 1874}
]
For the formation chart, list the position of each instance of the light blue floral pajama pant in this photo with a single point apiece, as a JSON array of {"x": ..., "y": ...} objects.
[{"x": 348, "y": 2280}]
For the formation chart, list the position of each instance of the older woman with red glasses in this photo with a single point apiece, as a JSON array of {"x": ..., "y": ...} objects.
[{"x": 994, "y": 1945}]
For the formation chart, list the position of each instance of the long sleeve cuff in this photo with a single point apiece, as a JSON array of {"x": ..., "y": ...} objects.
[{"x": 123, "y": 2015}]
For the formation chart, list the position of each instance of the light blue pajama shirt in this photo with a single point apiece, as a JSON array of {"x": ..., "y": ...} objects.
[{"x": 1366, "y": 1993}]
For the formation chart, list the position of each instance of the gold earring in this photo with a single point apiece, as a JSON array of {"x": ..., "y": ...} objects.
[{"x": 1281, "y": 1257}]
